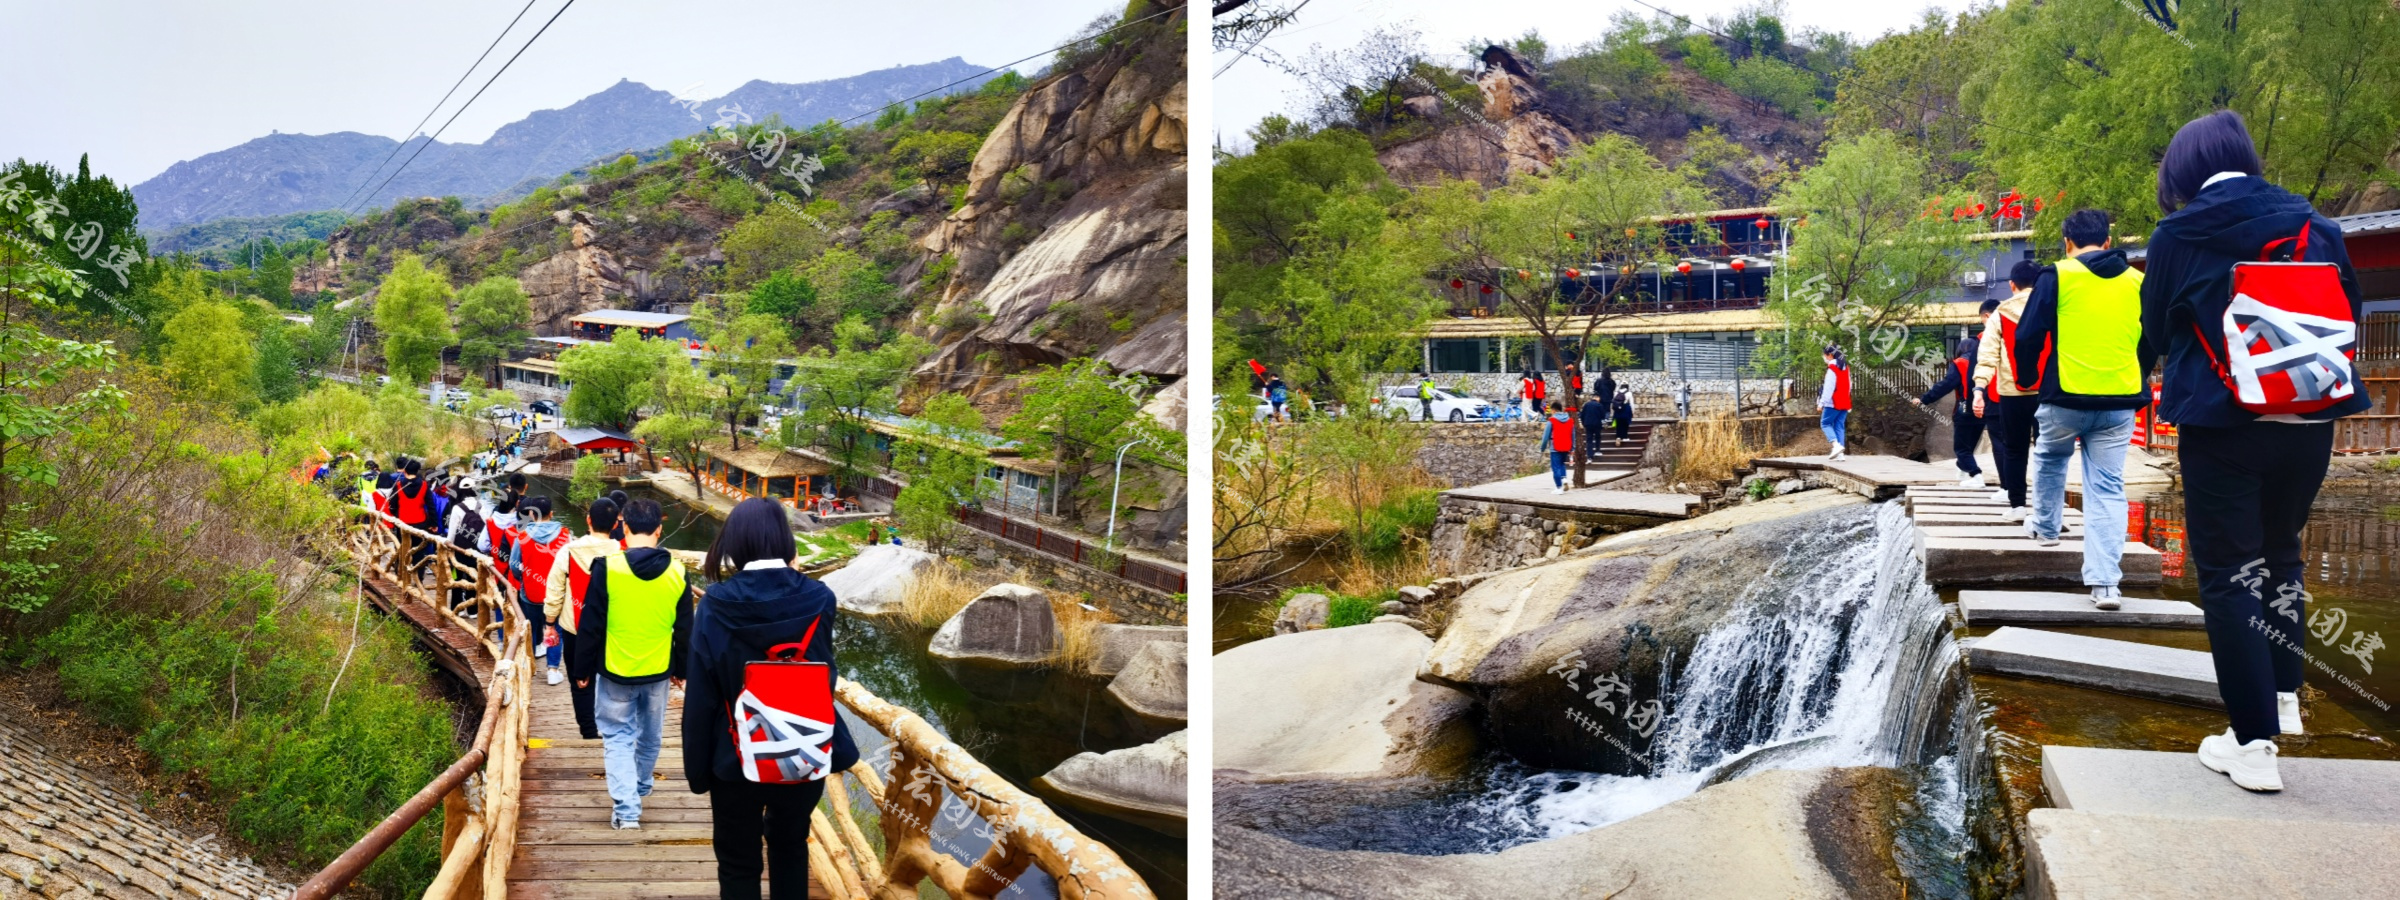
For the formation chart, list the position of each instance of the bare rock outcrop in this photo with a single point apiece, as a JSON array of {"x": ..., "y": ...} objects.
[
  {"x": 1511, "y": 136},
  {"x": 582, "y": 278}
]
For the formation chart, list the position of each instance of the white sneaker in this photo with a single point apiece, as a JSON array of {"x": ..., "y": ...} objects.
[
  {"x": 2287, "y": 712},
  {"x": 2107, "y": 597},
  {"x": 1971, "y": 481},
  {"x": 2000, "y": 494},
  {"x": 617, "y": 824},
  {"x": 555, "y": 676},
  {"x": 1838, "y": 453},
  {"x": 2036, "y": 534},
  {"x": 1555, "y": 489},
  {"x": 2251, "y": 765},
  {"x": 2017, "y": 514}
]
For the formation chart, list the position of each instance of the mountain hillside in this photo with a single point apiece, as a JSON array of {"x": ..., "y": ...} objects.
[{"x": 288, "y": 173}]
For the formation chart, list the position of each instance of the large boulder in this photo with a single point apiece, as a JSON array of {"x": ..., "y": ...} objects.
[
  {"x": 1010, "y": 624},
  {"x": 1119, "y": 643},
  {"x": 874, "y": 582},
  {"x": 1543, "y": 647},
  {"x": 1155, "y": 682},
  {"x": 1805, "y": 834},
  {"x": 1338, "y": 703},
  {"x": 1146, "y": 784}
]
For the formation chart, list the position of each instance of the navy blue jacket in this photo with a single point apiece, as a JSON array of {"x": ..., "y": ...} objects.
[
  {"x": 2039, "y": 325},
  {"x": 2190, "y": 280},
  {"x": 739, "y": 619},
  {"x": 1951, "y": 383}
]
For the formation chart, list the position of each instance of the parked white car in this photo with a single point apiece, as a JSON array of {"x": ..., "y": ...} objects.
[{"x": 1448, "y": 406}]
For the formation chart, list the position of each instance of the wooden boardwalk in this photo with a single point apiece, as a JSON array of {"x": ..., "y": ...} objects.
[{"x": 564, "y": 845}]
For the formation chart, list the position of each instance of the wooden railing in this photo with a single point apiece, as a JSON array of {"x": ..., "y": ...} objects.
[{"x": 479, "y": 792}]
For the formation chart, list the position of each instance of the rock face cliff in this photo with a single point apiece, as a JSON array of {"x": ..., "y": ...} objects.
[
  {"x": 1513, "y": 135},
  {"x": 584, "y": 278},
  {"x": 1098, "y": 273}
]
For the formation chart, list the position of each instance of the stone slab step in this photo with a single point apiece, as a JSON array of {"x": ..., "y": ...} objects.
[
  {"x": 2061, "y": 608},
  {"x": 2145, "y": 670},
  {"x": 1981, "y": 518},
  {"x": 2072, "y": 530},
  {"x": 2146, "y": 783},
  {"x": 2020, "y": 561},
  {"x": 2075, "y": 855}
]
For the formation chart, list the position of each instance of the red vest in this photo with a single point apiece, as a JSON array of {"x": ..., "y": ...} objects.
[
  {"x": 579, "y": 579},
  {"x": 410, "y": 510},
  {"x": 1562, "y": 434},
  {"x": 537, "y": 560},
  {"x": 1536, "y": 389},
  {"x": 501, "y": 538},
  {"x": 1841, "y": 386}
]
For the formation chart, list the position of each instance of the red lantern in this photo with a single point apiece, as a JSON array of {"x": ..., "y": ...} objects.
[
  {"x": 1571, "y": 273},
  {"x": 1487, "y": 289},
  {"x": 1762, "y": 224},
  {"x": 1523, "y": 275},
  {"x": 1457, "y": 283},
  {"x": 1738, "y": 265},
  {"x": 1683, "y": 268}
]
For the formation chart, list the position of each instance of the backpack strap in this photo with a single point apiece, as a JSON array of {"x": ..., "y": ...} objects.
[
  {"x": 796, "y": 650},
  {"x": 2299, "y": 246}
]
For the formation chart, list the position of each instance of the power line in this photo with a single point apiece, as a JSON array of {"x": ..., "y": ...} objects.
[
  {"x": 437, "y": 106},
  {"x": 1167, "y": 11},
  {"x": 1748, "y": 48},
  {"x": 462, "y": 108}
]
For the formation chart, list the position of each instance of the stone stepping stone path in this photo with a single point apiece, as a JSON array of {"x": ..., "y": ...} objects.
[
  {"x": 2125, "y": 667},
  {"x": 63, "y": 834},
  {"x": 2059, "y": 608},
  {"x": 2132, "y": 823}
]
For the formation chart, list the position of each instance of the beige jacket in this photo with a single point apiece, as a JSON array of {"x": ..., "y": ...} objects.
[
  {"x": 583, "y": 549},
  {"x": 1992, "y": 357}
]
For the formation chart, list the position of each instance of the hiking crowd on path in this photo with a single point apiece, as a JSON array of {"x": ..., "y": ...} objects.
[
  {"x": 619, "y": 618},
  {"x": 2249, "y": 299}
]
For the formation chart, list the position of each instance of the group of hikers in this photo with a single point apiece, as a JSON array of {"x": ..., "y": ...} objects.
[
  {"x": 1611, "y": 403},
  {"x": 2249, "y": 298},
  {"x": 620, "y": 619}
]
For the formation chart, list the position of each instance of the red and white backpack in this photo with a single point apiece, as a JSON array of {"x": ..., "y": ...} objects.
[
  {"x": 2288, "y": 334},
  {"x": 782, "y": 723}
]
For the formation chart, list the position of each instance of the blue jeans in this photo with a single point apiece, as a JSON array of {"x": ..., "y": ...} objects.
[
  {"x": 631, "y": 717},
  {"x": 1558, "y": 468},
  {"x": 1836, "y": 423},
  {"x": 2104, "y": 433}
]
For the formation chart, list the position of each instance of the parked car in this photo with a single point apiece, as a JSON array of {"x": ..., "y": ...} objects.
[
  {"x": 497, "y": 412},
  {"x": 454, "y": 395},
  {"x": 543, "y": 408},
  {"x": 1448, "y": 405}
]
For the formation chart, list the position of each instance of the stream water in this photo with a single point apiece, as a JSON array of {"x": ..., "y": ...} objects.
[
  {"x": 1020, "y": 723},
  {"x": 1841, "y": 656}
]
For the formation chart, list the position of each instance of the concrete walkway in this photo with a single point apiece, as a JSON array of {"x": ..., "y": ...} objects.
[
  {"x": 2125, "y": 667},
  {"x": 2060, "y": 608},
  {"x": 1534, "y": 490}
]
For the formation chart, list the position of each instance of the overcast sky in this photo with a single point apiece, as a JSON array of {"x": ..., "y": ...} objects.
[
  {"x": 1250, "y": 90},
  {"x": 143, "y": 85}
]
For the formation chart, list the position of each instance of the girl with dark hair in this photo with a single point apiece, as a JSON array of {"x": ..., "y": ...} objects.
[
  {"x": 2249, "y": 476},
  {"x": 758, "y": 603},
  {"x": 1834, "y": 402}
]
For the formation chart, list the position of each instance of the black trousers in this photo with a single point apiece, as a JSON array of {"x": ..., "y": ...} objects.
[
  {"x": 2011, "y": 425},
  {"x": 1594, "y": 431},
  {"x": 584, "y": 721},
  {"x": 2246, "y": 494},
  {"x": 1966, "y": 430},
  {"x": 1624, "y": 426},
  {"x": 742, "y": 813}
]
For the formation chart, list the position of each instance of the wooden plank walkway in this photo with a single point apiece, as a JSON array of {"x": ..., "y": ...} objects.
[
  {"x": 454, "y": 648},
  {"x": 565, "y": 848}
]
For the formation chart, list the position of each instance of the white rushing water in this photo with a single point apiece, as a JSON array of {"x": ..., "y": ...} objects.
[{"x": 1836, "y": 657}]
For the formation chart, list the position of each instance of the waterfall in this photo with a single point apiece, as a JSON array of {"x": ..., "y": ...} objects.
[{"x": 1840, "y": 656}]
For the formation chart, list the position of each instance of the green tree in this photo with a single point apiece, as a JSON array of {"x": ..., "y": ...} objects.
[
  {"x": 939, "y": 157},
  {"x": 609, "y": 383},
  {"x": 1866, "y": 257},
  {"x": 845, "y": 385},
  {"x": 277, "y": 368},
  {"x": 1776, "y": 84},
  {"x": 494, "y": 318},
  {"x": 586, "y": 484},
  {"x": 741, "y": 354},
  {"x": 95, "y": 234},
  {"x": 788, "y": 296},
  {"x": 1701, "y": 52},
  {"x": 944, "y": 459},
  {"x": 412, "y": 311},
  {"x": 1909, "y": 84},
  {"x": 1078, "y": 413},
  {"x": 683, "y": 423},
  {"x": 847, "y": 285},
  {"x": 271, "y": 279},
  {"x": 209, "y": 354},
  {"x": 773, "y": 240}
]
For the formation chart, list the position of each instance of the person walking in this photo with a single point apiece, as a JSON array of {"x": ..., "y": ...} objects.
[
  {"x": 2252, "y": 459},
  {"x": 1833, "y": 401},
  {"x": 758, "y": 605},
  {"x": 634, "y": 628},
  {"x": 1533, "y": 390},
  {"x": 2004, "y": 400},
  {"x": 531, "y": 560},
  {"x": 1558, "y": 436},
  {"x": 1966, "y": 426},
  {"x": 367, "y": 481},
  {"x": 2082, "y": 331},
  {"x": 1425, "y": 396},
  {"x": 1624, "y": 413},
  {"x": 1278, "y": 395},
  {"x": 1605, "y": 388},
  {"x": 569, "y": 582},
  {"x": 1595, "y": 421}
]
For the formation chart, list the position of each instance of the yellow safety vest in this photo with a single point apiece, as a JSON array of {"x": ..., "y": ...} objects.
[
  {"x": 641, "y": 617},
  {"x": 2099, "y": 331}
]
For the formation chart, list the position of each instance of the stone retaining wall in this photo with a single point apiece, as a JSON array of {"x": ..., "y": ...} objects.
[
  {"x": 1480, "y": 453},
  {"x": 1132, "y": 603},
  {"x": 1486, "y": 536}
]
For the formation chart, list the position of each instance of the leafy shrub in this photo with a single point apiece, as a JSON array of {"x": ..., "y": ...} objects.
[
  {"x": 732, "y": 197},
  {"x": 1704, "y": 56},
  {"x": 1344, "y": 610}
]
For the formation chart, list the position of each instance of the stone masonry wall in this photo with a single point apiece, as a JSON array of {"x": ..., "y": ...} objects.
[
  {"x": 1485, "y": 536},
  {"x": 1133, "y": 603},
  {"x": 1474, "y": 453}
]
